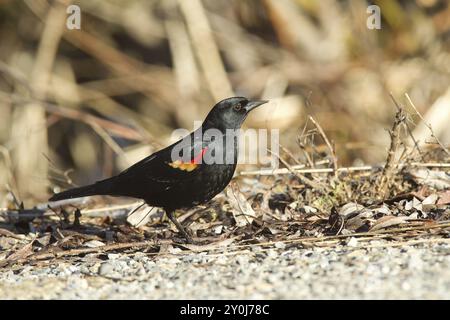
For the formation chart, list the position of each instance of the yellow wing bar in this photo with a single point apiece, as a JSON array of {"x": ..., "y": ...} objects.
[{"x": 185, "y": 166}]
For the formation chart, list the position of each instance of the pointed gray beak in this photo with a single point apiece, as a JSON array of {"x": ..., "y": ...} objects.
[{"x": 253, "y": 104}]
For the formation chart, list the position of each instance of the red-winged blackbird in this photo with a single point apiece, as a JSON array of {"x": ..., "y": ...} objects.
[{"x": 186, "y": 173}]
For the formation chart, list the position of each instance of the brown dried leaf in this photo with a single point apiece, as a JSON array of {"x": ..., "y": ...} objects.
[
  {"x": 389, "y": 221},
  {"x": 359, "y": 220},
  {"x": 93, "y": 244},
  {"x": 209, "y": 246},
  {"x": 7, "y": 233},
  {"x": 384, "y": 209},
  {"x": 437, "y": 179},
  {"x": 350, "y": 209},
  {"x": 23, "y": 252},
  {"x": 195, "y": 226},
  {"x": 140, "y": 215},
  {"x": 242, "y": 211},
  {"x": 429, "y": 202},
  {"x": 444, "y": 198}
]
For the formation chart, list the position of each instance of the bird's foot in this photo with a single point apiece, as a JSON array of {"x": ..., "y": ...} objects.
[{"x": 186, "y": 235}]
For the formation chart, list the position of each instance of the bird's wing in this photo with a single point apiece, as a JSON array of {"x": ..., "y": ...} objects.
[{"x": 174, "y": 163}]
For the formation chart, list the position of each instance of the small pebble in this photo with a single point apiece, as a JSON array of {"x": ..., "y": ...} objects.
[{"x": 106, "y": 268}]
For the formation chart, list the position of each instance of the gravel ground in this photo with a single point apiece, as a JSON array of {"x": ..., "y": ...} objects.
[{"x": 421, "y": 271}]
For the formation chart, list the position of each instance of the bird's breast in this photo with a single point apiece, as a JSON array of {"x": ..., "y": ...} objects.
[{"x": 206, "y": 183}]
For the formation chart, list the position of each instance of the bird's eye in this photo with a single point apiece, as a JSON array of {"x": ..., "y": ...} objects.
[{"x": 238, "y": 107}]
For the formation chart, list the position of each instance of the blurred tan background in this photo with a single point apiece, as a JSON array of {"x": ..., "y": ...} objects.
[{"x": 79, "y": 105}]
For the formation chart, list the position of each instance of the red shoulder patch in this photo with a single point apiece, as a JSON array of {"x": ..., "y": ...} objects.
[{"x": 189, "y": 166}]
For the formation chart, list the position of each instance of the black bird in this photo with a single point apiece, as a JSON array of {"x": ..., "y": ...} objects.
[{"x": 186, "y": 173}]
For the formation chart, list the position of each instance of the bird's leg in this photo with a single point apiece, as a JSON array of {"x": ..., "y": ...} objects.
[{"x": 171, "y": 215}]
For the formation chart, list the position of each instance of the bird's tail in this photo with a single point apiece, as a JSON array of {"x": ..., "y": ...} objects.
[{"x": 104, "y": 187}]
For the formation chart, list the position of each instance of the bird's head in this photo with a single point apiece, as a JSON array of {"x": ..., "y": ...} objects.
[{"x": 230, "y": 113}]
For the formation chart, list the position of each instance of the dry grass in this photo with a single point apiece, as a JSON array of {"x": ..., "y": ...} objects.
[
  {"x": 79, "y": 105},
  {"x": 265, "y": 210}
]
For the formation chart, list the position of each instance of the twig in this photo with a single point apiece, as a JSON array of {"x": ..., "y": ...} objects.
[
  {"x": 21, "y": 253},
  {"x": 388, "y": 170},
  {"x": 397, "y": 105},
  {"x": 110, "y": 142},
  {"x": 362, "y": 236},
  {"x": 311, "y": 183},
  {"x": 70, "y": 113},
  {"x": 386, "y": 233},
  {"x": 330, "y": 147},
  {"x": 427, "y": 124},
  {"x": 41, "y": 210},
  {"x": 269, "y": 172},
  {"x": 302, "y": 145},
  {"x": 289, "y": 153},
  {"x": 266, "y": 172},
  {"x": 7, "y": 233},
  {"x": 429, "y": 164},
  {"x": 76, "y": 252}
]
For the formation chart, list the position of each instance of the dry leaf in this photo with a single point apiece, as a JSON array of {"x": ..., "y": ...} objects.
[
  {"x": 93, "y": 244},
  {"x": 218, "y": 229},
  {"x": 242, "y": 211},
  {"x": 195, "y": 226},
  {"x": 444, "y": 198},
  {"x": 359, "y": 220},
  {"x": 384, "y": 209},
  {"x": 355, "y": 215},
  {"x": 429, "y": 202},
  {"x": 7, "y": 233},
  {"x": 437, "y": 179},
  {"x": 23, "y": 252},
  {"x": 209, "y": 246},
  {"x": 350, "y": 209},
  {"x": 140, "y": 215},
  {"x": 408, "y": 205},
  {"x": 389, "y": 221}
]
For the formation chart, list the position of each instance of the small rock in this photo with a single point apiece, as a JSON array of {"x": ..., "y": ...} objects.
[
  {"x": 106, "y": 268},
  {"x": 429, "y": 202},
  {"x": 353, "y": 242},
  {"x": 109, "y": 235},
  {"x": 408, "y": 205},
  {"x": 93, "y": 244},
  {"x": 356, "y": 253},
  {"x": 417, "y": 204},
  {"x": 218, "y": 229},
  {"x": 280, "y": 245}
]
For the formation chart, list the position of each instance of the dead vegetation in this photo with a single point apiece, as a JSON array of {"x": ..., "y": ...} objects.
[
  {"x": 370, "y": 162},
  {"x": 402, "y": 201}
]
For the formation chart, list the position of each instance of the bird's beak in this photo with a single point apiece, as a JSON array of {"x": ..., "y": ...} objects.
[{"x": 253, "y": 104}]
